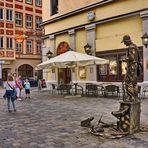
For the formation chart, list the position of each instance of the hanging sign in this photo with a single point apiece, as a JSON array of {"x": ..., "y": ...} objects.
[{"x": 19, "y": 38}]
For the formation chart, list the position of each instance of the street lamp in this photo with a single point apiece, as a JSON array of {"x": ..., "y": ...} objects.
[
  {"x": 49, "y": 54},
  {"x": 145, "y": 39},
  {"x": 87, "y": 48}
]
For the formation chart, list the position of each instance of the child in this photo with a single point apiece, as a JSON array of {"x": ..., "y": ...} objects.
[{"x": 27, "y": 88}]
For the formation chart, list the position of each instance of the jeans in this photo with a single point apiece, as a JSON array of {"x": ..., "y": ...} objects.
[{"x": 9, "y": 94}]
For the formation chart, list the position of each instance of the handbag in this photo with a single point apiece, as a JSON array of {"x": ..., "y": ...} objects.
[{"x": 14, "y": 95}]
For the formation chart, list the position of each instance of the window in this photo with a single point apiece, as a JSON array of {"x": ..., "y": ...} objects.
[
  {"x": 29, "y": 46},
  {"x": 1, "y": 42},
  {"x": 116, "y": 69},
  {"x": 123, "y": 64},
  {"x": 18, "y": 47},
  {"x": 25, "y": 71},
  {"x": 29, "y": 1},
  {"x": 1, "y": 13},
  {"x": 38, "y": 47},
  {"x": 38, "y": 22},
  {"x": 9, "y": 16},
  {"x": 102, "y": 69},
  {"x": 113, "y": 66},
  {"x": 38, "y": 2},
  {"x": 18, "y": 19},
  {"x": 54, "y": 7},
  {"x": 28, "y": 21},
  {"x": 9, "y": 42}
]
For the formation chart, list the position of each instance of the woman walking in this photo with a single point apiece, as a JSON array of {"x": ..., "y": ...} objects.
[{"x": 10, "y": 90}]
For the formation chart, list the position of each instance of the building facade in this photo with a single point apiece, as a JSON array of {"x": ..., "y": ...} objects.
[
  {"x": 99, "y": 24},
  {"x": 20, "y": 36}
]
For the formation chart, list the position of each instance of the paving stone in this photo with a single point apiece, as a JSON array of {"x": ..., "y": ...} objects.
[{"x": 48, "y": 121}]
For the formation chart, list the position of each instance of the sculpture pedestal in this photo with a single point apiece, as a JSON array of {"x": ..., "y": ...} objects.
[{"x": 130, "y": 120}]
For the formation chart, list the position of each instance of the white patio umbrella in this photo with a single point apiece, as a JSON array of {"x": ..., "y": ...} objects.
[{"x": 71, "y": 59}]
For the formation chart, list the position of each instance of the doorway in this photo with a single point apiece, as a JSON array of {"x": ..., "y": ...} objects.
[
  {"x": 5, "y": 73},
  {"x": 25, "y": 71},
  {"x": 64, "y": 75}
]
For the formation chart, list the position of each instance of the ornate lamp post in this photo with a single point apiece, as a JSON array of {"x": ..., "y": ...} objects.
[
  {"x": 49, "y": 54},
  {"x": 145, "y": 39},
  {"x": 87, "y": 49}
]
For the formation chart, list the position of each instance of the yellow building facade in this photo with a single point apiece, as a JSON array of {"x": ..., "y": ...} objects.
[{"x": 100, "y": 24}]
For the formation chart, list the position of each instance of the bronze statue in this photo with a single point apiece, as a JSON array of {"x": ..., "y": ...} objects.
[
  {"x": 128, "y": 115},
  {"x": 133, "y": 70},
  {"x": 129, "y": 112}
]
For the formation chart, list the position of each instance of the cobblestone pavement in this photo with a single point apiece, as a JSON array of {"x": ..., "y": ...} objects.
[{"x": 47, "y": 121}]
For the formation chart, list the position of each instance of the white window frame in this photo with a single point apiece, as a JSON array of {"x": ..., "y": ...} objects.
[
  {"x": 9, "y": 43},
  {"x": 38, "y": 2},
  {"x": 29, "y": 1},
  {"x": 29, "y": 46},
  {"x": 29, "y": 21},
  {"x": 38, "y": 22},
  {"x": 18, "y": 47},
  {"x": 18, "y": 19},
  {"x": 9, "y": 15},
  {"x": 1, "y": 42},
  {"x": 1, "y": 14}
]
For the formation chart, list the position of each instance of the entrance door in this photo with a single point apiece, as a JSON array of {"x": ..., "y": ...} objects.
[
  {"x": 25, "y": 71},
  {"x": 5, "y": 73},
  {"x": 64, "y": 75}
]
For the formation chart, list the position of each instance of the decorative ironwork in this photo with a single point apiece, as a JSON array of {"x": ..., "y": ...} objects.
[{"x": 29, "y": 34}]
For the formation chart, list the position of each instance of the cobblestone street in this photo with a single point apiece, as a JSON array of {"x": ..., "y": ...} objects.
[{"x": 54, "y": 122}]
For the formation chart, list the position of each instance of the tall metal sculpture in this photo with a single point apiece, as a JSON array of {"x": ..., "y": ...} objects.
[{"x": 129, "y": 112}]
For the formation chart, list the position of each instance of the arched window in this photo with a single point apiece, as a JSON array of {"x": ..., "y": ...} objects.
[
  {"x": 62, "y": 47},
  {"x": 25, "y": 70}
]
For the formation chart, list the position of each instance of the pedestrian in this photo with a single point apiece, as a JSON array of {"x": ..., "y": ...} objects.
[
  {"x": 134, "y": 69},
  {"x": 10, "y": 93},
  {"x": 19, "y": 87},
  {"x": 27, "y": 88}
]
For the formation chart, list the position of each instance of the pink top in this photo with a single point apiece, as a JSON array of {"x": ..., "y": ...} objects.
[{"x": 18, "y": 83}]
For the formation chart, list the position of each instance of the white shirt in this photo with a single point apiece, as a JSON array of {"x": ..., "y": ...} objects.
[{"x": 11, "y": 83}]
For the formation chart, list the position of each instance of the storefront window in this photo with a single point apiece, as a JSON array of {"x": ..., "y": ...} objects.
[
  {"x": 113, "y": 67},
  {"x": 116, "y": 69},
  {"x": 103, "y": 70}
]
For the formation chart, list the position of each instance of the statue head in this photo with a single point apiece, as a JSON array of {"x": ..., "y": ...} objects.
[{"x": 126, "y": 40}]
